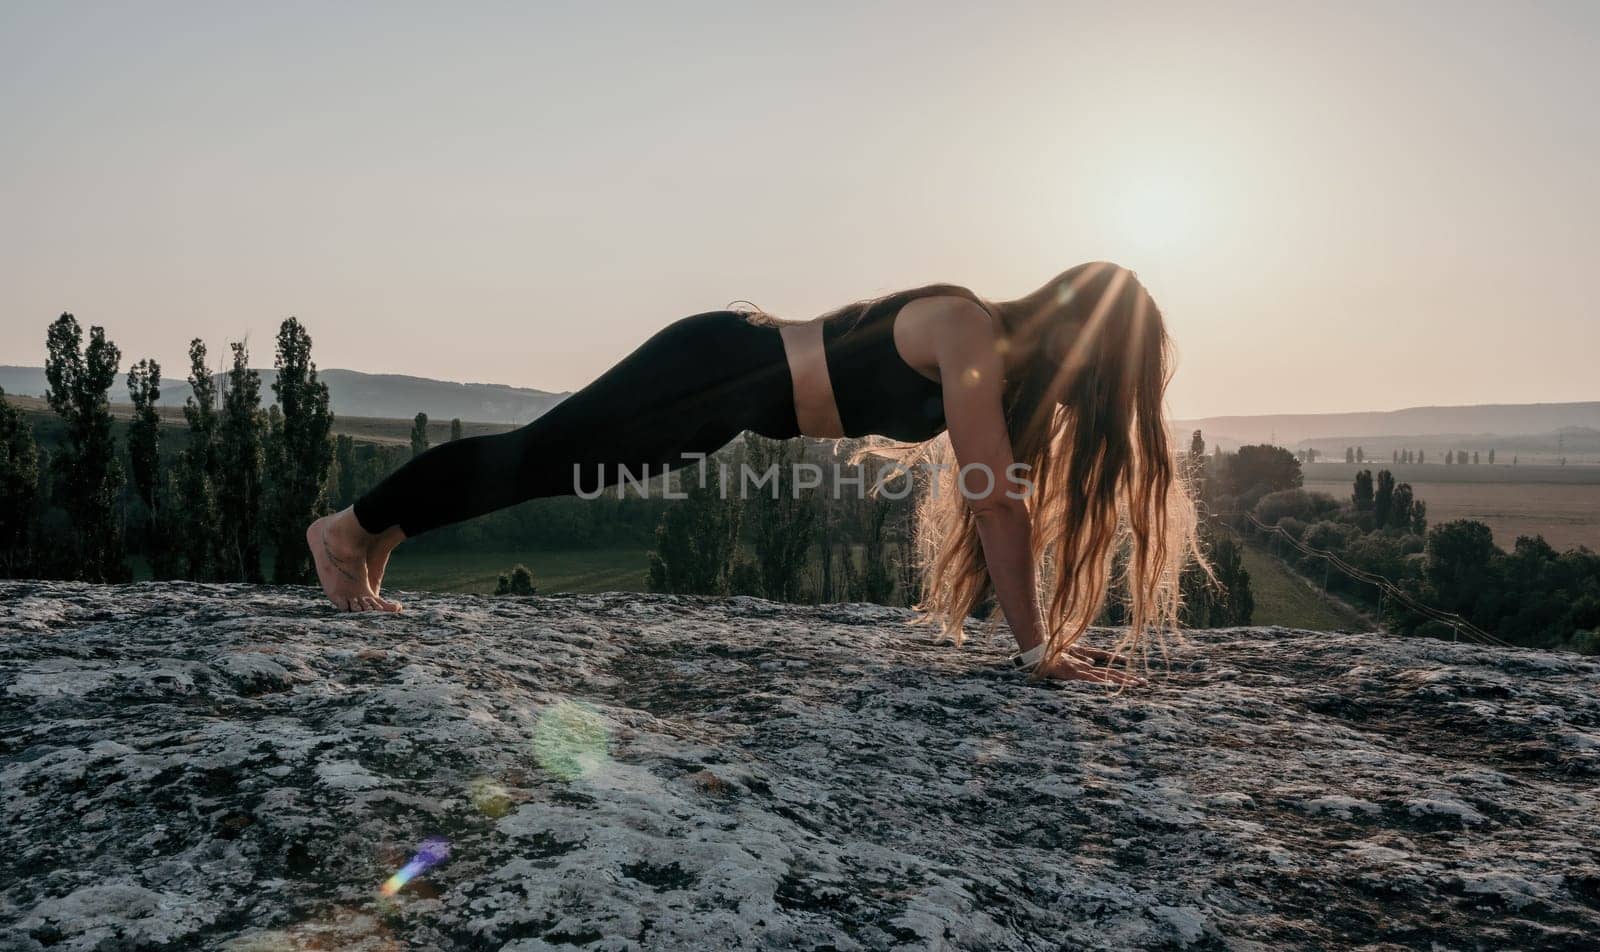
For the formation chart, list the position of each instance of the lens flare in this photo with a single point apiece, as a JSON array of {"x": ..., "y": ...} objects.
[
  {"x": 571, "y": 739},
  {"x": 490, "y": 797},
  {"x": 430, "y": 853}
]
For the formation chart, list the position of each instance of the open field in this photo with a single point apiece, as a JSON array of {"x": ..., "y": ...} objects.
[
  {"x": 1566, "y": 514},
  {"x": 1283, "y": 598},
  {"x": 1417, "y": 473},
  {"x": 363, "y": 429},
  {"x": 582, "y": 570}
]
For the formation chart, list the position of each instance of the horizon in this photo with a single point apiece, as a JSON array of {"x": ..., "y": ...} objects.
[
  {"x": 268, "y": 398},
  {"x": 1324, "y": 202}
]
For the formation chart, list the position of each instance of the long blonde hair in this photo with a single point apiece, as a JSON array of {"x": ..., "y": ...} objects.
[{"x": 1108, "y": 506}]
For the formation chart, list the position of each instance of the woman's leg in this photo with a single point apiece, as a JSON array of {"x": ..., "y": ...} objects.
[{"x": 689, "y": 389}]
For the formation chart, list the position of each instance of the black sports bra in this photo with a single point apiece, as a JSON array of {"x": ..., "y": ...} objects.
[{"x": 876, "y": 391}]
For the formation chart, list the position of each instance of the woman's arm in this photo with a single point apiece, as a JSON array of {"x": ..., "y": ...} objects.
[{"x": 972, "y": 371}]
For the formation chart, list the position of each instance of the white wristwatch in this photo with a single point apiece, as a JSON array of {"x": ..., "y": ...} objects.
[{"x": 1028, "y": 660}]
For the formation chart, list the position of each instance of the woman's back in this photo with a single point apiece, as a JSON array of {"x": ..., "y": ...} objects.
[{"x": 875, "y": 389}]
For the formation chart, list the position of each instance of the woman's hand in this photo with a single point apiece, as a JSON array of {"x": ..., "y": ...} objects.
[
  {"x": 1097, "y": 656},
  {"x": 1074, "y": 667}
]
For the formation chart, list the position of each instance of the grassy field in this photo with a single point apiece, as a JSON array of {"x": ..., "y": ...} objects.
[
  {"x": 1416, "y": 473},
  {"x": 1566, "y": 514},
  {"x": 1283, "y": 598},
  {"x": 586, "y": 570},
  {"x": 363, "y": 429}
]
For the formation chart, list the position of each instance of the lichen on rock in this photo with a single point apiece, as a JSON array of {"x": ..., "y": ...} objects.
[{"x": 238, "y": 767}]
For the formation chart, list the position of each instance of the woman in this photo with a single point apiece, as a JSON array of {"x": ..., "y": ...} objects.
[{"x": 1067, "y": 381}]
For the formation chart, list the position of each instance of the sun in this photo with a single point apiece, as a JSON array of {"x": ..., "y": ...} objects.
[{"x": 1155, "y": 212}]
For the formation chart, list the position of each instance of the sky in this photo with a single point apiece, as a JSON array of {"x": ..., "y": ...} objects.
[{"x": 1338, "y": 206}]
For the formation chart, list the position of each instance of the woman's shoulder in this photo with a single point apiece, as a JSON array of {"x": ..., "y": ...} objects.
[
  {"x": 940, "y": 290},
  {"x": 942, "y": 322},
  {"x": 938, "y": 301},
  {"x": 947, "y": 304}
]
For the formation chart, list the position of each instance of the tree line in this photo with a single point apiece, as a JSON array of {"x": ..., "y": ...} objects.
[
  {"x": 1398, "y": 457},
  {"x": 814, "y": 545},
  {"x": 244, "y": 479},
  {"x": 1531, "y": 595},
  {"x": 231, "y": 492},
  {"x": 784, "y": 542}
]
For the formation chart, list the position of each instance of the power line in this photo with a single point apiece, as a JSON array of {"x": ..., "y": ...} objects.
[{"x": 1386, "y": 588}]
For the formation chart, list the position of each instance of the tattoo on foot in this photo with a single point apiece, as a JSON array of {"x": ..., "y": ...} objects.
[{"x": 334, "y": 560}]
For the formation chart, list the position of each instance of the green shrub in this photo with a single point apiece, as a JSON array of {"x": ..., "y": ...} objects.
[
  {"x": 1586, "y": 642},
  {"x": 519, "y": 581}
]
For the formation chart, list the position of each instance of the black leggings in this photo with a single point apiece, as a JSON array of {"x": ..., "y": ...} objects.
[{"x": 691, "y": 388}]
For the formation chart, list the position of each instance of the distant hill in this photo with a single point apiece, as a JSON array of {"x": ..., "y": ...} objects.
[
  {"x": 357, "y": 394},
  {"x": 394, "y": 396},
  {"x": 1483, "y": 421}
]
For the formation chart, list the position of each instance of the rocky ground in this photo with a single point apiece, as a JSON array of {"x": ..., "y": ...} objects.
[{"x": 208, "y": 766}]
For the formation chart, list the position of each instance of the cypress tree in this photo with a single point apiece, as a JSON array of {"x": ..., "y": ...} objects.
[
  {"x": 419, "y": 434},
  {"x": 1383, "y": 498},
  {"x": 272, "y": 472},
  {"x": 240, "y": 453},
  {"x": 784, "y": 527},
  {"x": 874, "y": 581},
  {"x": 19, "y": 491},
  {"x": 197, "y": 476},
  {"x": 1362, "y": 497},
  {"x": 695, "y": 543},
  {"x": 307, "y": 449},
  {"x": 144, "y": 445},
  {"x": 191, "y": 513},
  {"x": 88, "y": 472},
  {"x": 1225, "y": 602},
  {"x": 1195, "y": 471},
  {"x": 1400, "y": 507}
]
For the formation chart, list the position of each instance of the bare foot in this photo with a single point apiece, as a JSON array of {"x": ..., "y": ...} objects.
[
  {"x": 339, "y": 547},
  {"x": 378, "y": 560}
]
